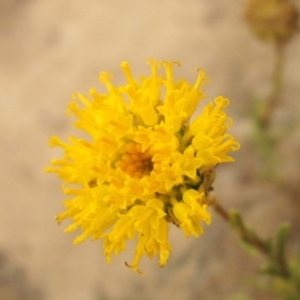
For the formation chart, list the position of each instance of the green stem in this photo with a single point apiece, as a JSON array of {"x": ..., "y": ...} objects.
[
  {"x": 252, "y": 238},
  {"x": 273, "y": 100},
  {"x": 254, "y": 241}
]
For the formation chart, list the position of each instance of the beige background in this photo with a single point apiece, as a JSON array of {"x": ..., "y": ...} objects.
[{"x": 49, "y": 49}]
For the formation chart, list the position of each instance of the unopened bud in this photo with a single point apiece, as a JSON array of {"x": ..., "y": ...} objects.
[{"x": 272, "y": 20}]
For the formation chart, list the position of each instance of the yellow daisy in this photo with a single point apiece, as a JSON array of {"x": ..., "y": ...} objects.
[{"x": 145, "y": 164}]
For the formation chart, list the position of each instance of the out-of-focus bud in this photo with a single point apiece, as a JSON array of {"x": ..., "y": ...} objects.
[{"x": 272, "y": 20}]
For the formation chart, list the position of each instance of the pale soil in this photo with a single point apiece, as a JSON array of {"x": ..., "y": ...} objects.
[{"x": 49, "y": 49}]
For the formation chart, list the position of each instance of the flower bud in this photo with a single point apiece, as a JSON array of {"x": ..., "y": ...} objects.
[{"x": 272, "y": 20}]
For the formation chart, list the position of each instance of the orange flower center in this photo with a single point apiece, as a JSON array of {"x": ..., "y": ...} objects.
[{"x": 135, "y": 162}]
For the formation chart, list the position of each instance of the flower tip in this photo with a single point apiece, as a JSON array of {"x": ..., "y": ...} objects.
[
  {"x": 58, "y": 219},
  {"x": 124, "y": 64},
  {"x": 55, "y": 141},
  {"x": 152, "y": 62},
  {"x": 79, "y": 239},
  {"x": 167, "y": 63},
  {"x": 202, "y": 79},
  {"x": 48, "y": 170},
  {"x": 134, "y": 269},
  {"x": 105, "y": 77},
  {"x": 236, "y": 146},
  {"x": 222, "y": 101}
]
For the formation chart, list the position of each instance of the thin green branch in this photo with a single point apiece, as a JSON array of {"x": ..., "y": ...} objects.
[
  {"x": 266, "y": 114},
  {"x": 275, "y": 253}
]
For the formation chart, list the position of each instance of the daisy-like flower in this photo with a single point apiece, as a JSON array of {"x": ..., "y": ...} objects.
[{"x": 145, "y": 165}]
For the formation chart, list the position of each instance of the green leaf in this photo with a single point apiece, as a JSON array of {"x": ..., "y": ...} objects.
[{"x": 281, "y": 237}]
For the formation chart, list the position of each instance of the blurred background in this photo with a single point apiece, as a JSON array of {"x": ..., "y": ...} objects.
[{"x": 50, "y": 49}]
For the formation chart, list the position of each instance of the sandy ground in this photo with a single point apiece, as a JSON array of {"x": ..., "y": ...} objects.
[{"x": 48, "y": 50}]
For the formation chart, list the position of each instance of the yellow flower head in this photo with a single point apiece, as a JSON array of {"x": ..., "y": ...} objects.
[{"x": 145, "y": 164}]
